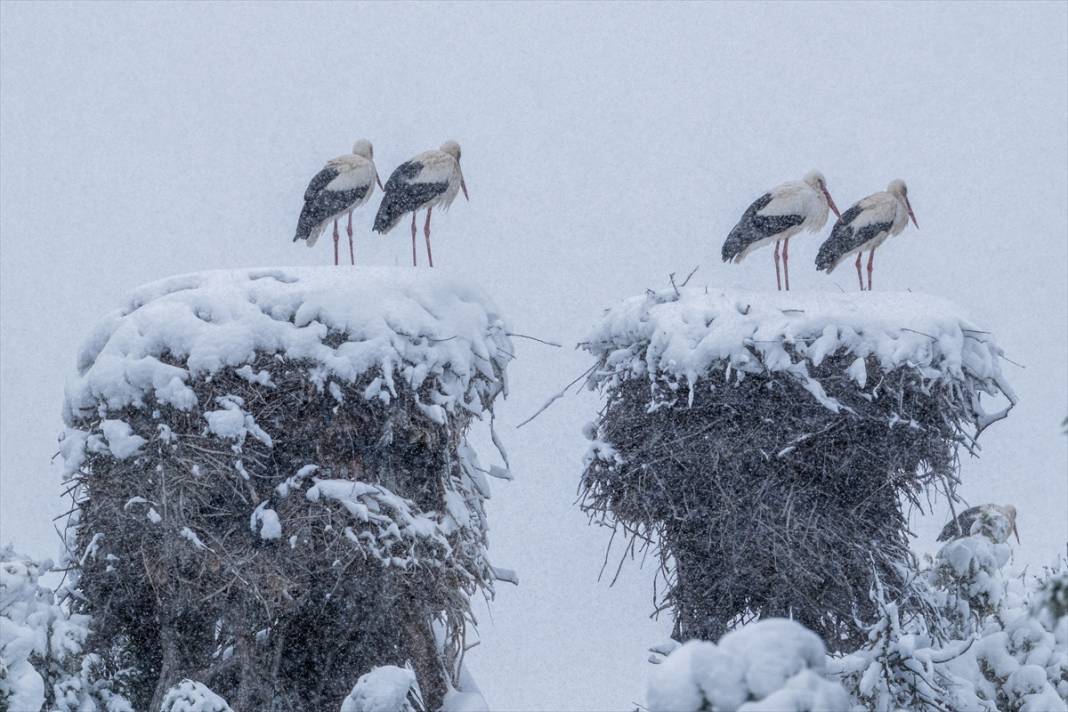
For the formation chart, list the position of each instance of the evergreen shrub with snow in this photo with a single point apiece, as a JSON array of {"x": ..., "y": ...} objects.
[
  {"x": 274, "y": 493},
  {"x": 773, "y": 664},
  {"x": 44, "y": 663},
  {"x": 985, "y": 641},
  {"x": 766, "y": 445},
  {"x": 988, "y": 641}
]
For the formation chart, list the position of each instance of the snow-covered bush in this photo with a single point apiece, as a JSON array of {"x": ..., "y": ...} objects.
[
  {"x": 273, "y": 480},
  {"x": 773, "y": 664},
  {"x": 989, "y": 642},
  {"x": 190, "y": 696},
  {"x": 42, "y": 661},
  {"x": 384, "y": 689},
  {"x": 766, "y": 445}
]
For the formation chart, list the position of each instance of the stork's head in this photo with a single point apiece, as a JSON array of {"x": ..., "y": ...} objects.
[
  {"x": 899, "y": 190},
  {"x": 453, "y": 149},
  {"x": 818, "y": 183},
  {"x": 364, "y": 149}
]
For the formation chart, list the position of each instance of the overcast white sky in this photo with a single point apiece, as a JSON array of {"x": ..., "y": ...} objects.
[{"x": 604, "y": 147}]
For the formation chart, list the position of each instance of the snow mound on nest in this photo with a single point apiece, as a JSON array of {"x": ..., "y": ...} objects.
[
  {"x": 680, "y": 336},
  {"x": 407, "y": 324}
]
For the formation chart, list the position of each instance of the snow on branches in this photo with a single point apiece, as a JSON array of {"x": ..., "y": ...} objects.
[
  {"x": 987, "y": 641},
  {"x": 774, "y": 664}
]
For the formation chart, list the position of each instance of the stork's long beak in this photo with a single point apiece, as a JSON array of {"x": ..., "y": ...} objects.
[
  {"x": 379, "y": 181},
  {"x": 1016, "y": 532},
  {"x": 911, "y": 214},
  {"x": 830, "y": 202},
  {"x": 463, "y": 187}
]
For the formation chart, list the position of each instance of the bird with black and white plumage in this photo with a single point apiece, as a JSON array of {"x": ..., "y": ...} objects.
[
  {"x": 993, "y": 521},
  {"x": 430, "y": 180},
  {"x": 344, "y": 184},
  {"x": 778, "y": 215},
  {"x": 865, "y": 226}
]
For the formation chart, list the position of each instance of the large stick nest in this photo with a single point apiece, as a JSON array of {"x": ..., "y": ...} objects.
[
  {"x": 760, "y": 500},
  {"x": 176, "y": 574}
]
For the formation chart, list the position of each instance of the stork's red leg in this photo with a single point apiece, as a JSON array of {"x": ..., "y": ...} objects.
[
  {"x": 859, "y": 277},
  {"x": 871, "y": 259},
  {"x": 414, "y": 262},
  {"x": 426, "y": 232},
  {"x": 786, "y": 262},
  {"x": 778, "y": 279},
  {"x": 352, "y": 248},
  {"x": 336, "y": 238}
]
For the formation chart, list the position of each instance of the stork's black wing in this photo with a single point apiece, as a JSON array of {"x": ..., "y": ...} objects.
[
  {"x": 320, "y": 181},
  {"x": 961, "y": 526},
  {"x": 402, "y": 195},
  {"x": 754, "y": 227},
  {"x": 324, "y": 205},
  {"x": 845, "y": 238}
]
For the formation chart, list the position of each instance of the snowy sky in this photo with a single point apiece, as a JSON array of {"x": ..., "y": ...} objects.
[{"x": 604, "y": 147}]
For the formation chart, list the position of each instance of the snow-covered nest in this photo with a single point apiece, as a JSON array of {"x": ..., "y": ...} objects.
[
  {"x": 762, "y": 444},
  {"x": 295, "y": 440},
  {"x": 676, "y": 338},
  {"x": 405, "y": 326}
]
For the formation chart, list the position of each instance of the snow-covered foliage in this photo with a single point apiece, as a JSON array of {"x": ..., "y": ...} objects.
[
  {"x": 42, "y": 657},
  {"x": 190, "y": 696},
  {"x": 384, "y": 689},
  {"x": 248, "y": 447},
  {"x": 773, "y": 664},
  {"x": 995, "y": 642},
  {"x": 674, "y": 338},
  {"x": 764, "y": 445}
]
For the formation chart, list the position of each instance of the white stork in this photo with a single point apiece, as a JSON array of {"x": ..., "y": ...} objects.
[
  {"x": 991, "y": 520},
  {"x": 778, "y": 215},
  {"x": 344, "y": 184},
  {"x": 430, "y": 179},
  {"x": 865, "y": 226}
]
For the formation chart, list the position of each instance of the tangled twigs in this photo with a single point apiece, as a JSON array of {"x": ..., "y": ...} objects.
[{"x": 762, "y": 501}]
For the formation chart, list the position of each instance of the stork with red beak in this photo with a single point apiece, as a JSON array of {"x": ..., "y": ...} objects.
[
  {"x": 865, "y": 226},
  {"x": 778, "y": 215},
  {"x": 430, "y": 179}
]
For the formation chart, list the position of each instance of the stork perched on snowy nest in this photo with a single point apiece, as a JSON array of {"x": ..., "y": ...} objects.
[
  {"x": 344, "y": 184},
  {"x": 430, "y": 179},
  {"x": 991, "y": 520},
  {"x": 865, "y": 226},
  {"x": 778, "y": 215}
]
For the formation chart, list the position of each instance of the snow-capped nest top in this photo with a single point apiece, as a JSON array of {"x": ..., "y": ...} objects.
[
  {"x": 683, "y": 335},
  {"x": 407, "y": 324}
]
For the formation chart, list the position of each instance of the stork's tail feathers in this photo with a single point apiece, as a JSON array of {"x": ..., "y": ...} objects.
[
  {"x": 825, "y": 261},
  {"x": 833, "y": 249},
  {"x": 389, "y": 214},
  {"x": 307, "y": 231}
]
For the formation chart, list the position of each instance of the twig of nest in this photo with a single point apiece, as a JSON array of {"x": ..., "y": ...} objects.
[
  {"x": 761, "y": 502},
  {"x": 182, "y": 579}
]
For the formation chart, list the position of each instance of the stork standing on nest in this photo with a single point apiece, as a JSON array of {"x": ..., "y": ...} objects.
[
  {"x": 778, "y": 215},
  {"x": 344, "y": 184},
  {"x": 991, "y": 520},
  {"x": 865, "y": 226},
  {"x": 430, "y": 179}
]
